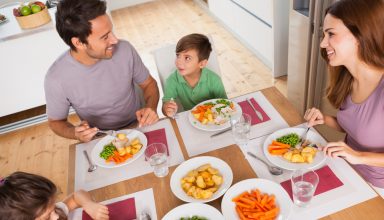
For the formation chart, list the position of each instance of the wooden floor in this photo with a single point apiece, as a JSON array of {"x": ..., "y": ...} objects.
[{"x": 148, "y": 26}]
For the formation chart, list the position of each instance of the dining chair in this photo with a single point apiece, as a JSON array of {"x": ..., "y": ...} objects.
[{"x": 165, "y": 61}]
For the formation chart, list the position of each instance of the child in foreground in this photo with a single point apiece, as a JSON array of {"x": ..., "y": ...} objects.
[{"x": 25, "y": 196}]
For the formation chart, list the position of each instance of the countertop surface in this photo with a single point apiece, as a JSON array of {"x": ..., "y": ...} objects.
[{"x": 10, "y": 29}]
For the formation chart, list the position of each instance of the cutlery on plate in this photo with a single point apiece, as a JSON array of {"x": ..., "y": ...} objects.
[
  {"x": 272, "y": 169},
  {"x": 303, "y": 138},
  {"x": 259, "y": 115},
  {"x": 221, "y": 132},
  {"x": 92, "y": 167}
]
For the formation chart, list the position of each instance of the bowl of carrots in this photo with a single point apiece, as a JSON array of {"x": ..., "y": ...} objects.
[{"x": 256, "y": 199}]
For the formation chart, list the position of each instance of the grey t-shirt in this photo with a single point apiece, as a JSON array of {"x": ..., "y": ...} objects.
[{"x": 102, "y": 94}]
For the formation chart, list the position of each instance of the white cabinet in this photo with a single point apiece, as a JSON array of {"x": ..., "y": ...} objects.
[{"x": 262, "y": 25}]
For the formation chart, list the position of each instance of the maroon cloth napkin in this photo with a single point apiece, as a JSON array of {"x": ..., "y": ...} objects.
[
  {"x": 122, "y": 210},
  {"x": 247, "y": 108},
  {"x": 327, "y": 181},
  {"x": 157, "y": 136}
]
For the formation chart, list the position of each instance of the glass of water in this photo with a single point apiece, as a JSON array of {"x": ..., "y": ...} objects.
[
  {"x": 241, "y": 129},
  {"x": 174, "y": 112},
  {"x": 304, "y": 183},
  {"x": 157, "y": 156}
]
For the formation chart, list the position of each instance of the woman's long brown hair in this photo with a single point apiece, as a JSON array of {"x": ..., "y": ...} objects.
[{"x": 364, "y": 19}]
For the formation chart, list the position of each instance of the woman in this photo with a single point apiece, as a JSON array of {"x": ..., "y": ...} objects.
[
  {"x": 25, "y": 196},
  {"x": 353, "y": 46}
]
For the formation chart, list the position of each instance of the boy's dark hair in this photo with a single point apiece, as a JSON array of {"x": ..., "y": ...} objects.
[
  {"x": 198, "y": 42},
  {"x": 73, "y": 16},
  {"x": 25, "y": 196}
]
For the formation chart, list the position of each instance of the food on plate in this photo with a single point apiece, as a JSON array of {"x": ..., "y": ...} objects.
[
  {"x": 2, "y": 17},
  {"x": 194, "y": 217},
  {"x": 292, "y": 139},
  {"x": 285, "y": 146},
  {"x": 216, "y": 112},
  {"x": 256, "y": 205},
  {"x": 202, "y": 182},
  {"x": 120, "y": 149}
]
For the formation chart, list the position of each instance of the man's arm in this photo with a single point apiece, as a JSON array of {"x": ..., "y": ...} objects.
[
  {"x": 148, "y": 115},
  {"x": 151, "y": 93},
  {"x": 65, "y": 129}
]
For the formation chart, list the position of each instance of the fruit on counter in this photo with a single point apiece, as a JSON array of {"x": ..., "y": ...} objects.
[
  {"x": 25, "y": 10},
  {"x": 42, "y": 5},
  {"x": 31, "y": 8},
  {"x": 35, "y": 8}
]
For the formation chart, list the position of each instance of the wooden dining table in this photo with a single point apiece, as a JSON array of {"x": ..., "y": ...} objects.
[{"x": 165, "y": 200}]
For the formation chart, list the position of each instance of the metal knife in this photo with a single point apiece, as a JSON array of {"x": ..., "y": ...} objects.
[
  {"x": 221, "y": 132},
  {"x": 259, "y": 115}
]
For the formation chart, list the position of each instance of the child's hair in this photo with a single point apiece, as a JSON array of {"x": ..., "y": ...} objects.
[
  {"x": 198, "y": 42},
  {"x": 25, "y": 196}
]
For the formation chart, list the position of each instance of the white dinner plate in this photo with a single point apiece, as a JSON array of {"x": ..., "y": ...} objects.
[
  {"x": 279, "y": 161},
  {"x": 193, "y": 209},
  {"x": 265, "y": 186},
  {"x": 131, "y": 134},
  {"x": 191, "y": 164},
  {"x": 212, "y": 127}
]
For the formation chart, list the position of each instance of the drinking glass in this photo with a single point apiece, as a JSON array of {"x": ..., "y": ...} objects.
[
  {"x": 304, "y": 183},
  {"x": 157, "y": 156},
  {"x": 241, "y": 129}
]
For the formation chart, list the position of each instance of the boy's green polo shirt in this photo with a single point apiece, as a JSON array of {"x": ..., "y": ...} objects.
[{"x": 209, "y": 86}]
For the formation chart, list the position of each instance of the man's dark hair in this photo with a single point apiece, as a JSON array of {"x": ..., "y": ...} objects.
[
  {"x": 73, "y": 19},
  {"x": 198, "y": 42}
]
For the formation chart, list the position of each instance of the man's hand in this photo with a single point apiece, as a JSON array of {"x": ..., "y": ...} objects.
[
  {"x": 84, "y": 133},
  {"x": 146, "y": 116}
]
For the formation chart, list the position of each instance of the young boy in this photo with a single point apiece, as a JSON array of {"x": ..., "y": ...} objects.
[{"x": 191, "y": 83}]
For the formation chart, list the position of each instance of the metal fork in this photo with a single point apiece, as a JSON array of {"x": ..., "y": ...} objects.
[{"x": 303, "y": 137}]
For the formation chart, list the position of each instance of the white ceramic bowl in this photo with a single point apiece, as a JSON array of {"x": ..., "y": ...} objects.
[
  {"x": 265, "y": 186},
  {"x": 182, "y": 170},
  {"x": 193, "y": 209}
]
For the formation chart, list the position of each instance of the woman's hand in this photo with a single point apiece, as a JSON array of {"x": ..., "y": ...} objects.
[
  {"x": 314, "y": 117},
  {"x": 341, "y": 149},
  {"x": 96, "y": 211}
]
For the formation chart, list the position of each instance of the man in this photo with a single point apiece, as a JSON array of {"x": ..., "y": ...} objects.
[{"x": 96, "y": 76}]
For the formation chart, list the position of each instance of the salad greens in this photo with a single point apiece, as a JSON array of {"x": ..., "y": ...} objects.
[
  {"x": 291, "y": 139},
  {"x": 107, "y": 151}
]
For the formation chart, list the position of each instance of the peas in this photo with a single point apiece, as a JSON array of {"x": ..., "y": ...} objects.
[
  {"x": 107, "y": 151},
  {"x": 291, "y": 139},
  {"x": 194, "y": 218}
]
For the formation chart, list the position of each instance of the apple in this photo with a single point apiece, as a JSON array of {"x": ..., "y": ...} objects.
[
  {"x": 42, "y": 5},
  {"x": 35, "y": 8},
  {"x": 25, "y": 10}
]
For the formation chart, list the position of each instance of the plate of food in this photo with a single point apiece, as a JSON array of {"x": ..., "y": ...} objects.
[
  {"x": 3, "y": 19},
  {"x": 194, "y": 211},
  {"x": 119, "y": 150},
  {"x": 201, "y": 179},
  {"x": 214, "y": 114},
  {"x": 282, "y": 149},
  {"x": 256, "y": 199}
]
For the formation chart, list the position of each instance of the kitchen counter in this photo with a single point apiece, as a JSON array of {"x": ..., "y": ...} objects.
[
  {"x": 26, "y": 55},
  {"x": 11, "y": 30}
]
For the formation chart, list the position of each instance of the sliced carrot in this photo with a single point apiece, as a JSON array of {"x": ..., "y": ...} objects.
[
  {"x": 280, "y": 144},
  {"x": 278, "y": 152}
]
